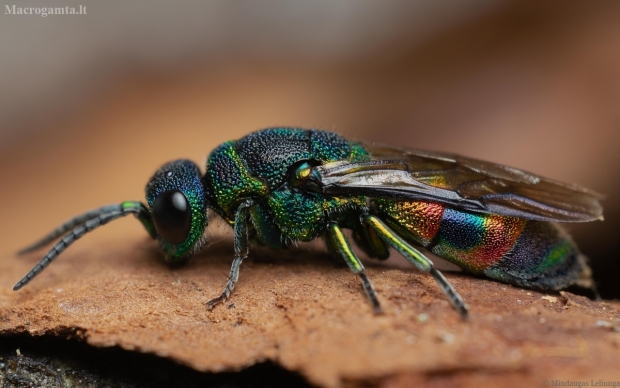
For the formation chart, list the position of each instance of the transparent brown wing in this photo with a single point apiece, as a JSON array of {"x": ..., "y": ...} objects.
[{"x": 459, "y": 182}]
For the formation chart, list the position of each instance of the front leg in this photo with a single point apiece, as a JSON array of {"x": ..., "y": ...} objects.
[{"x": 241, "y": 251}]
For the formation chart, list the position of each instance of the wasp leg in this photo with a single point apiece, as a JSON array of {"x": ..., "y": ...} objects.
[
  {"x": 418, "y": 259},
  {"x": 370, "y": 242},
  {"x": 341, "y": 245},
  {"x": 241, "y": 251},
  {"x": 594, "y": 290}
]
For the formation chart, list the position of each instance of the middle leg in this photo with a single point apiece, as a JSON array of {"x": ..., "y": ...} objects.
[{"x": 340, "y": 244}]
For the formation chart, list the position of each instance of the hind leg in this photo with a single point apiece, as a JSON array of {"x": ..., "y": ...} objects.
[{"x": 418, "y": 259}]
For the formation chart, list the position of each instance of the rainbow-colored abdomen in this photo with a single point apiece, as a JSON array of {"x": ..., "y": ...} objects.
[{"x": 514, "y": 250}]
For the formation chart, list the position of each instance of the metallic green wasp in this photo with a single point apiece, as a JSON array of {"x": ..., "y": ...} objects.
[{"x": 282, "y": 185}]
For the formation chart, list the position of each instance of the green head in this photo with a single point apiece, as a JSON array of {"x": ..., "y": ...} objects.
[
  {"x": 178, "y": 206},
  {"x": 176, "y": 216}
]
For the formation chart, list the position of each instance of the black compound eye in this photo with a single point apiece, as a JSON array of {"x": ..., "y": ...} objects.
[{"x": 172, "y": 216}]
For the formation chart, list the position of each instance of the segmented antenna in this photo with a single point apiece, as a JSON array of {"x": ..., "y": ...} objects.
[
  {"x": 67, "y": 226},
  {"x": 95, "y": 219}
]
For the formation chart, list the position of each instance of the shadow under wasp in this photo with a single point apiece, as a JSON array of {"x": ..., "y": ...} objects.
[{"x": 281, "y": 185}]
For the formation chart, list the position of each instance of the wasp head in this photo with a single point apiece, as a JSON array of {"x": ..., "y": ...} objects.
[{"x": 177, "y": 202}]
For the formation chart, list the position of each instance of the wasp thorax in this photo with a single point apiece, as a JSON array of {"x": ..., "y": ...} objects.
[
  {"x": 300, "y": 174},
  {"x": 172, "y": 216}
]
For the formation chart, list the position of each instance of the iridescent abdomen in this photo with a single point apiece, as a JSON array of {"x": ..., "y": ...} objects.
[{"x": 514, "y": 250}]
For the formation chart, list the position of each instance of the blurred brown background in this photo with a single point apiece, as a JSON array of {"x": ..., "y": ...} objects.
[{"x": 91, "y": 105}]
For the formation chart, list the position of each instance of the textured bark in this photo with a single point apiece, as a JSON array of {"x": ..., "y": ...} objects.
[{"x": 307, "y": 314}]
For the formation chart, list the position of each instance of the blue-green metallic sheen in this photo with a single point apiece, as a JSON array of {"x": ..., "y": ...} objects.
[{"x": 185, "y": 176}]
